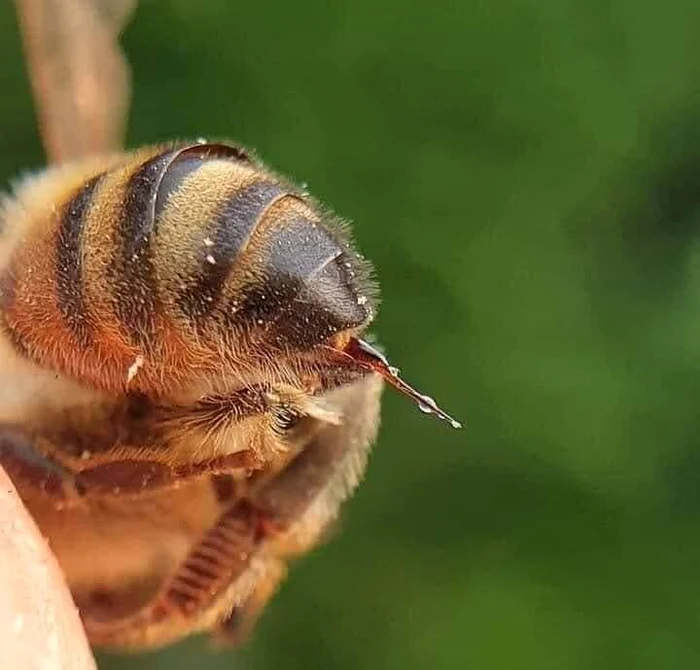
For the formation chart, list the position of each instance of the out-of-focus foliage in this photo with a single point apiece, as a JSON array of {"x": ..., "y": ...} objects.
[{"x": 525, "y": 175}]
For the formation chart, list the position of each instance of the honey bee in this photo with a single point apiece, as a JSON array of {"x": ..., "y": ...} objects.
[{"x": 187, "y": 398}]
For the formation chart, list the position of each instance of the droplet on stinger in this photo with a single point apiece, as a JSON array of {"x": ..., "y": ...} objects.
[
  {"x": 428, "y": 406},
  {"x": 366, "y": 355}
]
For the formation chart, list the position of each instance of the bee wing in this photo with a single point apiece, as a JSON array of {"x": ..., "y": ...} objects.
[{"x": 79, "y": 76}]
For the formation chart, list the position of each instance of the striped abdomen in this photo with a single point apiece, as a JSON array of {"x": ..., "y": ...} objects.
[{"x": 169, "y": 260}]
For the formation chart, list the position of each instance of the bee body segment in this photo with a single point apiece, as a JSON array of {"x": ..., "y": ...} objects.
[{"x": 153, "y": 259}]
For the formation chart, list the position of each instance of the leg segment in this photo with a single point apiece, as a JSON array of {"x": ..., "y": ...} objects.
[
  {"x": 235, "y": 567},
  {"x": 152, "y": 449},
  {"x": 37, "y": 473}
]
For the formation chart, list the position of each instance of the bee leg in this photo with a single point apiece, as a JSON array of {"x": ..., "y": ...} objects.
[
  {"x": 70, "y": 482},
  {"x": 282, "y": 517},
  {"x": 33, "y": 471},
  {"x": 235, "y": 629},
  {"x": 219, "y": 572},
  {"x": 135, "y": 476}
]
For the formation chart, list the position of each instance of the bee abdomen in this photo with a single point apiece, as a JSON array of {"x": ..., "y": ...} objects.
[
  {"x": 159, "y": 257},
  {"x": 131, "y": 272},
  {"x": 146, "y": 250},
  {"x": 263, "y": 260},
  {"x": 79, "y": 289},
  {"x": 229, "y": 233}
]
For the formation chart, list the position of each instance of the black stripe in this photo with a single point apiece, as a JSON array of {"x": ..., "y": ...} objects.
[
  {"x": 132, "y": 273},
  {"x": 295, "y": 315},
  {"x": 299, "y": 249},
  {"x": 315, "y": 317},
  {"x": 181, "y": 168},
  {"x": 69, "y": 266},
  {"x": 313, "y": 288},
  {"x": 189, "y": 160},
  {"x": 258, "y": 307},
  {"x": 228, "y": 233}
]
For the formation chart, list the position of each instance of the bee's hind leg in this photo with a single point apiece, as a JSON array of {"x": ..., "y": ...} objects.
[{"x": 233, "y": 570}]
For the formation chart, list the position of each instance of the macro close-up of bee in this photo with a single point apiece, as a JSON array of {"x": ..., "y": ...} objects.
[
  {"x": 188, "y": 390},
  {"x": 223, "y": 226}
]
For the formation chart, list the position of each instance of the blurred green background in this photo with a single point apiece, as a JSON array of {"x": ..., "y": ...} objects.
[{"x": 525, "y": 176}]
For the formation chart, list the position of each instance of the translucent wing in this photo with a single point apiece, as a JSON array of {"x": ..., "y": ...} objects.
[{"x": 79, "y": 76}]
